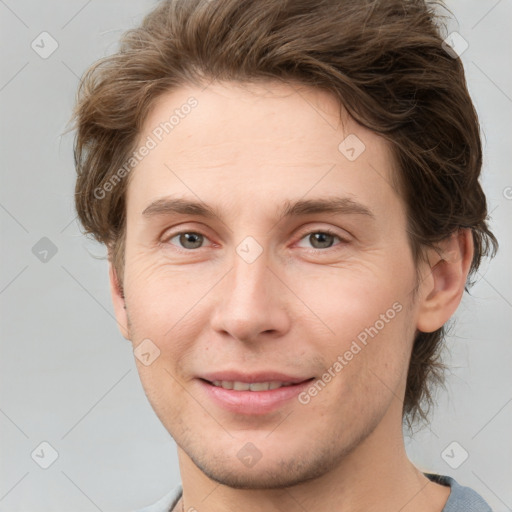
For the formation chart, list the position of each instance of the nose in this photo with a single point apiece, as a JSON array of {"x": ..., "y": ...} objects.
[{"x": 251, "y": 301}]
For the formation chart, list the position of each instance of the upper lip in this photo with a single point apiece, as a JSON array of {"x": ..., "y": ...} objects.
[{"x": 265, "y": 376}]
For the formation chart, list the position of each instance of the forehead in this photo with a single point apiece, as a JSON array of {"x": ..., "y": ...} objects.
[{"x": 254, "y": 144}]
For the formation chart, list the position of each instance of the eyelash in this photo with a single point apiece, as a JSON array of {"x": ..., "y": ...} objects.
[{"x": 304, "y": 235}]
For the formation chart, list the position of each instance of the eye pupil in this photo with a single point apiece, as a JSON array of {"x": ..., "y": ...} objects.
[
  {"x": 184, "y": 240},
  {"x": 321, "y": 238}
]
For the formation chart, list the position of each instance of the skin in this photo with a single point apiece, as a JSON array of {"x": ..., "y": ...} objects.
[{"x": 246, "y": 150}]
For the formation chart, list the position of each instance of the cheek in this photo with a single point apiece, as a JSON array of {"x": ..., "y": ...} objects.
[
  {"x": 365, "y": 375},
  {"x": 158, "y": 294},
  {"x": 347, "y": 302},
  {"x": 368, "y": 331}
]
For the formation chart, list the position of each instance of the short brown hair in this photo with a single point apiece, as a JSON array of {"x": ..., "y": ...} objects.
[{"x": 383, "y": 60}]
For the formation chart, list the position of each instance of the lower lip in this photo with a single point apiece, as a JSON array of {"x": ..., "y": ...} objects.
[{"x": 252, "y": 402}]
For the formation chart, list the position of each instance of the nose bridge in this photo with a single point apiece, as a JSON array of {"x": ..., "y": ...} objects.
[
  {"x": 250, "y": 275},
  {"x": 251, "y": 257},
  {"x": 250, "y": 302}
]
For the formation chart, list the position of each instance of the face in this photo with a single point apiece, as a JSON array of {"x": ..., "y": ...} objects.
[{"x": 293, "y": 266}]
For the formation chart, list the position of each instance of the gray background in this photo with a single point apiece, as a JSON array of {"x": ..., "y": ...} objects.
[{"x": 67, "y": 376}]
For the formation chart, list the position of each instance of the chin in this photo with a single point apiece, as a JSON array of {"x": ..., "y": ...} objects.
[{"x": 272, "y": 471}]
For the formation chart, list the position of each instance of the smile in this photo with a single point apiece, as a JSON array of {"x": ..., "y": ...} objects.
[
  {"x": 251, "y": 398},
  {"x": 252, "y": 386}
]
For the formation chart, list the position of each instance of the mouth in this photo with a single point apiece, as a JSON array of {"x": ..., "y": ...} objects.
[
  {"x": 250, "y": 386},
  {"x": 251, "y": 396}
]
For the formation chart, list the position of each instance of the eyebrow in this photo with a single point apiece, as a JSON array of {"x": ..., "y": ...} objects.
[{"x": 333, "y": 205}]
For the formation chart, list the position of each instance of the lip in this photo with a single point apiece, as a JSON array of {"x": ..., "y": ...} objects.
[
  {"x": 252, "y": 402},
  {"x": 265, "y": 376}
]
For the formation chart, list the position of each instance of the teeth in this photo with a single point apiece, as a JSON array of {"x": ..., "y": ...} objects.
[
  {"x": 241, "y": 386},
  {"x": 259, "y": 386},
  {"x": 253, "y": 386}
]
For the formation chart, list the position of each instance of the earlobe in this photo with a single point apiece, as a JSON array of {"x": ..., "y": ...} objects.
[
  {"x": 442, "y": 290},
  {"x": 118, "y": 301}
]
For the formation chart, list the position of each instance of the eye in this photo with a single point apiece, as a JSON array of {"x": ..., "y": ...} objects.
[
  {"x": 190, "y": 240},
  {"x": 187, "y": 240},
  {"x": 321, "y": 239}
]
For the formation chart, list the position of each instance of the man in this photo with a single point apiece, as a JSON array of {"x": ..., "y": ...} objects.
[{"x": 289, "y": 194}]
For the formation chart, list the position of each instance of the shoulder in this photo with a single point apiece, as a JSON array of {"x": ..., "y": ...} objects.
[
  {"x": 461, "y": 499},
  {"x": 165, "y": 503}
]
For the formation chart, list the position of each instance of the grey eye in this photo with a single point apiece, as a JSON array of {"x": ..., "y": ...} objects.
[
  {"x": 320, "y": 239},
  {"x": 189, "y": 240}
]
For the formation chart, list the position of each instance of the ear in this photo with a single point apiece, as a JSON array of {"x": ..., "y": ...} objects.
[
  {"x": 116, "y": 291},
  {"x": 442, "y": 289}
]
